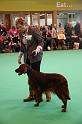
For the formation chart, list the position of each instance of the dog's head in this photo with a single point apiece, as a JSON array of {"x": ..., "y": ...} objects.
[{"x": 22, "y": 69}]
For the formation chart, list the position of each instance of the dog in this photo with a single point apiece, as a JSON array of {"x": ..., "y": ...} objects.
[{"x": 42, "y": 82}]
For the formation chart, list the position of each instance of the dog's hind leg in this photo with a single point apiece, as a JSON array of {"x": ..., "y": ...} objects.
[
  {"x": 64, "y": 106},
  {"x": 64, "y": 100}
]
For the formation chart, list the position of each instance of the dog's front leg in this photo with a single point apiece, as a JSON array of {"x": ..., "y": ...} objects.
[{"x": 38, "y": 98}]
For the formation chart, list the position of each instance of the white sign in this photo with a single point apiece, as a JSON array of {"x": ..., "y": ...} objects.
[{"x": 62, "y": 4}]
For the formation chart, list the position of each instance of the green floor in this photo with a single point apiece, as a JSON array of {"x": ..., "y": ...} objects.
[{"x": 14, "y": 88}]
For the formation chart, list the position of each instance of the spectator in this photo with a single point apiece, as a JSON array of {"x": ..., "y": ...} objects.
[{"x": 77, "y": 28}]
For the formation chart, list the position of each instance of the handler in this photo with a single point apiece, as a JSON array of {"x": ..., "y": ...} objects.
[{"x": 31, "y": 46}]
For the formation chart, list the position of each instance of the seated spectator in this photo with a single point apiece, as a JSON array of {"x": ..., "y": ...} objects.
[
  {"x": 3, "y": 31},
  {"x": 48, "y": 40},
  {"x": 76, "y": 45},
  {"x": 61, "y": 40},
  {"x": 80, "y": 39},
  {"x": 74, "y": 39},
  {"x": 54, "y": 37},
  {"x": 13, "y": 33},
  {"x": 3, "y": 34}
]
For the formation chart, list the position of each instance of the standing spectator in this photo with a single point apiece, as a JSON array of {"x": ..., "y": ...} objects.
[
  {"x": 77, "y": 28},
  {"x": 68, "y": 33},
  {"x": 44, "y": 36}
]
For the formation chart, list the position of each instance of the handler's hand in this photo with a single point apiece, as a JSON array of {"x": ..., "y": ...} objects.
[
  {"x": 19, "y": 61},
  {"x": 34, "y": 52}
]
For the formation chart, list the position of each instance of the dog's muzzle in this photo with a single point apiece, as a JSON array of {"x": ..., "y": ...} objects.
[{"x": 17, "y": 71}]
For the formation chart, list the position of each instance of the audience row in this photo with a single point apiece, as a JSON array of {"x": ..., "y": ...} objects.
[{"x": 67, "y": 37}]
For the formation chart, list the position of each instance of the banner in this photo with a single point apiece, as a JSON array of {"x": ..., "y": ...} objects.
[{"x": 40, "y": 5}]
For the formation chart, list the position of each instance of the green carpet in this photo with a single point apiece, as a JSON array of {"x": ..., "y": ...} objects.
[{"x": 14, "y": 88}]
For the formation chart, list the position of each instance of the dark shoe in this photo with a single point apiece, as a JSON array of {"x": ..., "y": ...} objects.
[
  {"x": 48, "y": 99},
  {"x": 28, "y": 99}
]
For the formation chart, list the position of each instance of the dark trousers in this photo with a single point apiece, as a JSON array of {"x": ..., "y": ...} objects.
[{"x": 35, "y": 66}]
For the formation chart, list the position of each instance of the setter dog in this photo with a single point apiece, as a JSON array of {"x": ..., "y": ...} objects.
[{"x": 42, "y": 82}]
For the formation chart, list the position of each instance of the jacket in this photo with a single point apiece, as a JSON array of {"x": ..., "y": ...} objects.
[{"x": 30, "y": 43}]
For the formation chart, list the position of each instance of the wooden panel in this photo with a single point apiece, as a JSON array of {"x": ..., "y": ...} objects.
[{"x": 7, "y": 21}]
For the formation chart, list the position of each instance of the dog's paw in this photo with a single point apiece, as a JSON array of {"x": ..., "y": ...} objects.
[
  {"x": 63, "y": 110},
  {"x": 36, "y": 105}
]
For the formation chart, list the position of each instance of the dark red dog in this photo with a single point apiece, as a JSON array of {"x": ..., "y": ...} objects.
[{"x": 41, "y": 82}]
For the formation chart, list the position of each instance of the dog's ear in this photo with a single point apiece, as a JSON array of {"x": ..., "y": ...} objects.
[{"x": 25, "y": 69}]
